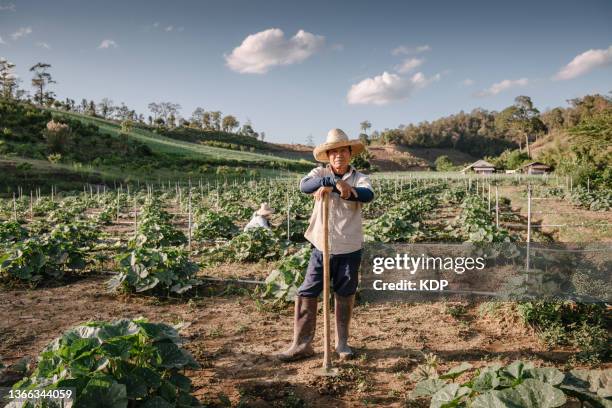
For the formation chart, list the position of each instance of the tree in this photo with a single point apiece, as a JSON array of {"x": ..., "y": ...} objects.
[
  {"x": 40, "y": 81},
  {"x": 443, "y": 163},
  {"x": 365, "y": 125},
  {"x": 247, "y": 130},
  {"x": 262, "y": 136},
  {"x": 553, "y": 119},
  {"x": 206, "y": 121},
  {"x": 155, "y": 109},
  {"x": 8, "y": 79},
  {"x": 362, "y": 161},
  {"x": 197, "y": 116},
  {"x": 229, "y": 123},
  {"x": 509, "y": 159},
  {"x": 106, "y": 108},
  {"x": 91, "y": 109},
  {"x": 123, "y": 112},
  {"x": 525, "y": 119},
  {"x": 216, "y": 120},
  {"x": 309, "y": 140}
]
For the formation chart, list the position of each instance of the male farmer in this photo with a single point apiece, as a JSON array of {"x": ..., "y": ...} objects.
[
  {"x": 348, "y": 189},
  {"x": 261, "y": 218}
]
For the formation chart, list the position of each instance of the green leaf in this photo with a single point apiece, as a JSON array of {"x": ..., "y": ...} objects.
[
  {"x": 158, "y": 331},
  {"x": 172, "y": 356},
  {"x": 585, "y": 386},
  {"x": 136, "y": 387},
  {"x": 428, "y": 387},
  {"x": 184, "y": 383},
  {"x": 532, "y": 393},
  {"x": 489, "y": 400},
  {"x": 103, "y": 392},
  {"x": 456, "y": 371},
  {"x": 548, "y": 375},
  {"x": 151, "y": 378},
  {"x": 449, "y": 396},
  {"x": 486, "y": 380}
]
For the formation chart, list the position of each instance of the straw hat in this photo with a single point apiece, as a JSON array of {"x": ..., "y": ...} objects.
[
  {"x": 264, "y": 210},
  {"x": 336, "y": 138}
]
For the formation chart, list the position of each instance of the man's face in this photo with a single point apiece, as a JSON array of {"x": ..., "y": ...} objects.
[{"x": 339, "y": 158}]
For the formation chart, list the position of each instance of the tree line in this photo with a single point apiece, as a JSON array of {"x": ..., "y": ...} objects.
[
  {"x": 163, "y": 114},
  {"x": 490, "y": 133}
]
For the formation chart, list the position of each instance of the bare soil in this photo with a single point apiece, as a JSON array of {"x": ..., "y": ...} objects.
[{"x": 234, "y": 340}]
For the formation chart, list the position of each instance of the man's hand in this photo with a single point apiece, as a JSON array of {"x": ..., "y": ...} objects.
[
  {"x": 345, "y": 189},
  {"x": 318, "y": 195}
]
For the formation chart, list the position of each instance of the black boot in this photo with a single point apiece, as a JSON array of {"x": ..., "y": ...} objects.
[
  {"x": 304, "y": 324},
  {"x": 343, "y": 311}
]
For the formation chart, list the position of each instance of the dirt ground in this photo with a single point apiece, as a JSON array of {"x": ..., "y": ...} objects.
[{"x": 234, "y": 340}]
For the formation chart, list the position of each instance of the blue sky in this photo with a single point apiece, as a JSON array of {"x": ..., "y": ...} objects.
[{"x": 310, "y": 66}]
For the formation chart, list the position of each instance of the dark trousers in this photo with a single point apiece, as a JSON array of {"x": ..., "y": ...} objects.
[{"x": 343, "y": 269}]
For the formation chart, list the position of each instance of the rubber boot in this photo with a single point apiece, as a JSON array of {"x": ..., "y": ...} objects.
[
  {"x": 343, "y": 310},
  {"x": 304, "y": 324}
]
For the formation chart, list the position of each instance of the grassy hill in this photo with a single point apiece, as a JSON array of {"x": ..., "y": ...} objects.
[
  {"x": 49, "y": 146},
  {"x": 170, "y": 143}
]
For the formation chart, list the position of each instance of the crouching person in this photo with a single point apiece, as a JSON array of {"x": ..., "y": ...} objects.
[
  {"x": 348, "y": 190},
  {"x": 261, "y": 218}
]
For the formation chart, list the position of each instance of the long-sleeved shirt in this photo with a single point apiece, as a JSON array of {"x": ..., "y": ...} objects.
[
  {"x": 310, "y": 184},
  {"x": 345, "y": 223}
]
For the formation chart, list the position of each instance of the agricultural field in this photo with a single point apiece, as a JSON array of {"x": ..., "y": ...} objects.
[{"x": 153, "y": 293}]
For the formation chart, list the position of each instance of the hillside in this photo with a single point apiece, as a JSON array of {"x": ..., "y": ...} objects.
[
  {"x": 43, "y": 146},
  {"x": 163, "y": 143}
]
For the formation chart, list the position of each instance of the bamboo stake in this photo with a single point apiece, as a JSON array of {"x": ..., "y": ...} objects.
[
  {"x": 528, "y": 222},
  {"x": 496, "y": 207}
]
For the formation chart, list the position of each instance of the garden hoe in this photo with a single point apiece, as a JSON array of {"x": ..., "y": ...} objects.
[{"x": 327, "y": 369}]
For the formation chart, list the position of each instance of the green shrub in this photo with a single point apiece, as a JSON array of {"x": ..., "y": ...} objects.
[
  {"x": 155, "y": 270},
  {"x": 117, "y": 364}
]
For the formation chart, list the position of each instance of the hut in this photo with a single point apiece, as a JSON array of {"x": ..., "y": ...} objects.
[
  {"x": 480, "y": 167},
  {"x": 535, "y": 168}
]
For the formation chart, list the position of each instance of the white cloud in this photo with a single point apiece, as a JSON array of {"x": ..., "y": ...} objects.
[
  {"x": 107, "y": 44},
  {"x": 404, "y": 50},
  {"x": 503, "y": 86},
  {"x": 22, "y": 32},
  {"x": 387, "y": 88},
  {"x": 409, "y": 64},
  {"x": 467, "y": 82},
  {"x": 43, "y": 45},
  {"x": 7, "y": 7},
  {"x": 263, "y": 50},
  {"x": 2, "y": 41},
  {"x": 156, "y": 24},
  {"x": 584, "y": 63},
  {"x": 169, "y": 28}
]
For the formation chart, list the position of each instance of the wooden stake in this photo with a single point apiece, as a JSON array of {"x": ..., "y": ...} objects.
[
  {"x": 496, "y": 207},
  {"x": 327, "y": 364},
  {"x": 14, "y": 208},
  {"x": 189, "y": 224}
]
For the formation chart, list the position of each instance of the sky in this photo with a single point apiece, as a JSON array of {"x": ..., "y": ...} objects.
[{"x": 301, "y": 68}]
